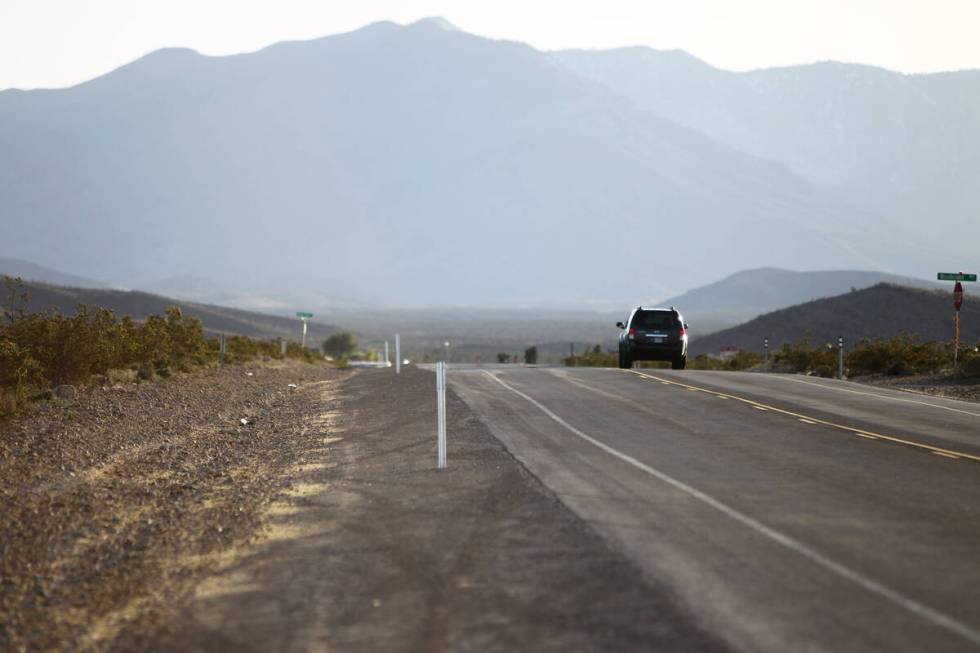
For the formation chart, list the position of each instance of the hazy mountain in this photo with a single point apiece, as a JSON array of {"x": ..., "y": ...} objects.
[
  {"x": 404, "y": 164},
  {"x": 883, "y": 310},
  {"x": 749, "y": 293},
  {"x": 28, "y": 271},
  {"x": 905, "y": 145},
  {"x": 138, "y": 305}
]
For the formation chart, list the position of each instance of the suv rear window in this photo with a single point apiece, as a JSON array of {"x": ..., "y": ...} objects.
[{"x": 654, "y": 320}]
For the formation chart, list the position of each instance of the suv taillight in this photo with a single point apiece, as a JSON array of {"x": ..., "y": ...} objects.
[
  {"x": 681, "y": 333},
  {"x": 631, "y": 333}
]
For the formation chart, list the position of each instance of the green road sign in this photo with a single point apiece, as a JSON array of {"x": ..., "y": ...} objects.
[
  {"x": 954, "y": 276},
  {"x": 304, "y": 314}
]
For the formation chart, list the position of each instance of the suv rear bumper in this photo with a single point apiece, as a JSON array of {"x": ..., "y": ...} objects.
[{"x": 665, "y": 352}]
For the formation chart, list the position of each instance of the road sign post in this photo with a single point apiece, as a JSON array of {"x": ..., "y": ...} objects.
[
  {"x": 959, "y": 278},
  {"x": 303, "y": 315},
  {"x": 765, "y": 354}
]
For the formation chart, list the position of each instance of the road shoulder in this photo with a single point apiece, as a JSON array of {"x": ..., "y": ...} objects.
[{"x": 375, "y": 549}]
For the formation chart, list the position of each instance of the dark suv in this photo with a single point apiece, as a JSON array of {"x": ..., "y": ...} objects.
[{"x": 653, "y": 334}]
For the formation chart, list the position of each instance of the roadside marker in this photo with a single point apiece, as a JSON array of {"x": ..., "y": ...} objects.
[{"x": 441, "y": 411}]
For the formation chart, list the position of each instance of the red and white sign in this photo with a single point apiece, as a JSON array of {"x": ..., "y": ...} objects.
[{"x": 957, "y": 295}]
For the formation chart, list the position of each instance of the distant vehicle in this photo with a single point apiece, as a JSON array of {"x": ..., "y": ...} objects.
[{"x": 653, "y": 334}]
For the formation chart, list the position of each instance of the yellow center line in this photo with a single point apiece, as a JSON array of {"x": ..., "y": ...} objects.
[
  {"x": 946, "y": 455},
  {"x": 805, "y": 421},
  {"x": 816, "y": 420},
  {"x": 760, "y": 408},
  {"x": 865, "y": 435}
]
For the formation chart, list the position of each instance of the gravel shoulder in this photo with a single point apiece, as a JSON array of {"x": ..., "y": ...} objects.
[
  {"x": 114, "y": 503},
  {"x": 965, "y": 389},
  {"x": 373, "y": 548}
]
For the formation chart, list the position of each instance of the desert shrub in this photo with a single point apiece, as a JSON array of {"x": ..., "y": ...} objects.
[
  {"x": 531, "y": 355},
  {"x": 594, "y": 357},
  {"x": 39, "y": 351},
  {"x": 298, "y": 351},
  {"x": 742, "y": 360},
  {"x": 801, "y": 357},
  {"x": 903, "y": 354},
  {"x": 342, "y": 343},
  {"x": 969, "y": 363},
  {"x": 18, "y": 370}
]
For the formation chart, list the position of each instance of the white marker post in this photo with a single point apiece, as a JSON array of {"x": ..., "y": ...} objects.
[
  {"x": 398, "y": 354},
  {"x": 386, "y": 353},
  {"x": 441, "y": 411}
]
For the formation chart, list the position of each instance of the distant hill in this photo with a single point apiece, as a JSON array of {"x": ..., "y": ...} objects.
[
  {"x": 902, "y": 144},
  {"x": 14, "y": 267},
  {"x": 216, "y": 319},
  {"x": 750, "y": 293},
  {"x": 882, "y": 310},
  {"x": 406, "y": 164}
]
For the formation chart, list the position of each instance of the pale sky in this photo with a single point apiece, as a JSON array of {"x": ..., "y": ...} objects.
[{"x": 55, "y": 43}]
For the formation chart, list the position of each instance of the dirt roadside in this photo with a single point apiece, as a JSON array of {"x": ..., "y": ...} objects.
[
  {"x": 114, "y": 503},
  {"x": 373, "y": 549},
  {"x": 964, "y": 389}
]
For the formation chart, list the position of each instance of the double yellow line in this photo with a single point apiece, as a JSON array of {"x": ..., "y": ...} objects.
[{"x": 939, "y": 451}]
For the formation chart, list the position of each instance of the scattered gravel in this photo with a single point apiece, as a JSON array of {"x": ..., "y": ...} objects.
[
  {"x": 937, "y": 385},
  {"x": 113, "y": 500}
]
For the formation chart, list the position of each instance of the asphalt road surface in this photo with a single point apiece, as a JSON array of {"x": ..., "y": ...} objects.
[{"x": 788, "y": 513}]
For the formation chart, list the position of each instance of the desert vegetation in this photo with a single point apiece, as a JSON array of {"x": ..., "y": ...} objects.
[
  {"x": 901, "y": 355},
  {"x": 42, "y": 352}
]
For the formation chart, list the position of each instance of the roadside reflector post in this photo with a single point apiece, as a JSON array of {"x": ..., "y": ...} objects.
[
  {"x": 282, "y": 348},
  {"x": 386, "y": 353},
  {"x": 840, "y": 357},
  {"x": 398, "y": 354},
  {"x": 765, "y": 354},
  {"x": 221, "y": 349},
  {"x": 441, "y": 411}
]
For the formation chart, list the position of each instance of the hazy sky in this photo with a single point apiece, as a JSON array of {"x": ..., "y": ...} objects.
[{"x": 52, "y": 43}]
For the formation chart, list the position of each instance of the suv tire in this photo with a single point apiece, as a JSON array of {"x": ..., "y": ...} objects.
[
  {"x": 624, "y": 360},
  {"x": 678, "y": 363}
]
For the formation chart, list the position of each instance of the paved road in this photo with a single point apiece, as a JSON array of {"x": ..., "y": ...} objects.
[{"x": 791, "y": 514}]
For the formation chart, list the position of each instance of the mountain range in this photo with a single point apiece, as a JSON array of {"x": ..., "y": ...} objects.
[
  {"x": 419, "y": 165},
  {"x": 881, "y": 311}
]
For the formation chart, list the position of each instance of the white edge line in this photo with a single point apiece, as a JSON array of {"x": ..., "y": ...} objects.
[
  {"x": 828, "y": 386},
  {"x": 929, "y": 614}
]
